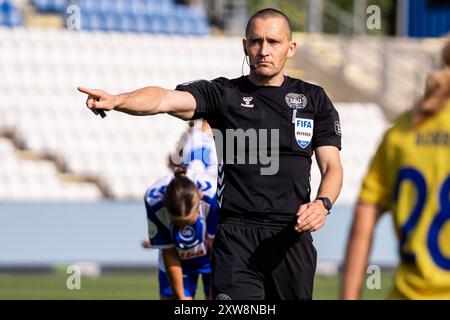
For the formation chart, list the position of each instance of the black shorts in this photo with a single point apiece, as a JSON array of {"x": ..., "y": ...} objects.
[{"x": 262, "y": 257}]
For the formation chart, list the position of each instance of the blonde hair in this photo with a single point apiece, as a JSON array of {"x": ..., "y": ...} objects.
[{"x": 436, "y": 97}]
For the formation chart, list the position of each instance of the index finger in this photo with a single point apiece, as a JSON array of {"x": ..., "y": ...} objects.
[{"x": 91, "y": 92}]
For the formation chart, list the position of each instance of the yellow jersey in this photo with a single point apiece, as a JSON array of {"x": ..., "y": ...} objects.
[{"x": 410, "y": 177}]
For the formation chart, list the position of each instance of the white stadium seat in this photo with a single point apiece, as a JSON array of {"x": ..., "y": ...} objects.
[{"x": 37, "y": 180}]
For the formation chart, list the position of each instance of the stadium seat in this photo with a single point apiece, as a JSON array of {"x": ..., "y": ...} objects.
[
  {"x": 163, "y": 6},
  {"x": 106, "y": 6},
  {"x": 140, "y": 23},
  {"x": 88, "y": 6},
  {"x": 112, "y": 21},
  {"x": 91, "y": 20},
  {"x": 156, "y": 24},
  {"x": 154, "y": 16},
  {"x": 31, "y": 180},
  {"x": 128, "y": 22},
  {"x": 10, "y": 15},
  {"x": 138, "y": 7},
  {"x": 46, "y": 6}
]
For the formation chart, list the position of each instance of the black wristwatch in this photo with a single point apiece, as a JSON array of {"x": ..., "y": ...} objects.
[{"x": 327, "y": 203}]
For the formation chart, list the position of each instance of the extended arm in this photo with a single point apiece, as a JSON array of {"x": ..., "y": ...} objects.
[
  {"x": 358, "y": 249},
  {"x": 174, "y": 272},
  {"x": 141, "y": 102}
]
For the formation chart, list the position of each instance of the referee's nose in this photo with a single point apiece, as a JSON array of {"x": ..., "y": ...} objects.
[{"x": 263, "y": 49}]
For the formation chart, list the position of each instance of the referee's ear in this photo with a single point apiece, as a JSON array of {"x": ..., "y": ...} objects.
[{"x": 292, "y": 49}]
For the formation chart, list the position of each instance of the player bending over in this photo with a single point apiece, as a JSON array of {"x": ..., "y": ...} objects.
[{"x": 182, "y": 221}]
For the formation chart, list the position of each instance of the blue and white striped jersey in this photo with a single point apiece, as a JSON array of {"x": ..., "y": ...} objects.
[
  {"x": 199, "y": 152},
  {"x": 189, "y": 242}
]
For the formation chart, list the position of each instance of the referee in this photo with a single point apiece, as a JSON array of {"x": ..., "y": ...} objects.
[{"x": 263, "y": 248}]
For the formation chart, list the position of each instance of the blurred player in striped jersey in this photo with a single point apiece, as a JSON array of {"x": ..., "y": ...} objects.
[
  {"x": 182, "y": 221},
  {"x": 410, "y": 177},
  {"x": 196, "y": 152}
]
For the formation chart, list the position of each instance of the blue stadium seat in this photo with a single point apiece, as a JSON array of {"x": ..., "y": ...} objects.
[
  {"x": 88, "y": 6},
  {"x": 105, "y": 6},
  {"x": 112, "y": 21},
  {"x": 154, "y": 16},
  {"x": 60, "y": 5},
  {"x": 128, "y": 22},
  {"x": 186, "y": 25},
  {"x": 171, "y": 24},
  {"x": 141, "y": 23},
  {"x": 50, "y": 5},
  {"x": 164, "y": 6},
  {"x": 10, "y": 15},
  {"x": 202, "y": 27},
  {"x": 15, "y": 18},
  {"x": 138, "y": 7},
  {"x": 192, "y": 21},
  {"x": 155, "y": 23},
  {"x": 41, "y": 5},
  {"x": 92, "y": 21},
  {"x": 123, "y": 6}
]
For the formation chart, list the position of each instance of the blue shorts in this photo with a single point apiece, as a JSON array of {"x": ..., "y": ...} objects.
[{"x": 189, "y": 284}]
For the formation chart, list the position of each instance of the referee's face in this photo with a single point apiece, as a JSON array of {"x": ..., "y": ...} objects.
[{"x": 268, "y": 46}]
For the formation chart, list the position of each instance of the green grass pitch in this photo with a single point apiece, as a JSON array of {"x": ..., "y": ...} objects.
[{"x": 136, "y": 286}]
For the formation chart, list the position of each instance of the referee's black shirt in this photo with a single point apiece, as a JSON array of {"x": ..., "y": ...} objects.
[{"x": 239, "y": 104}]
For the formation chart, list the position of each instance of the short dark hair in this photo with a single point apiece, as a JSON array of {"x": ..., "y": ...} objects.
[{"x": 269, "y": 13}]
